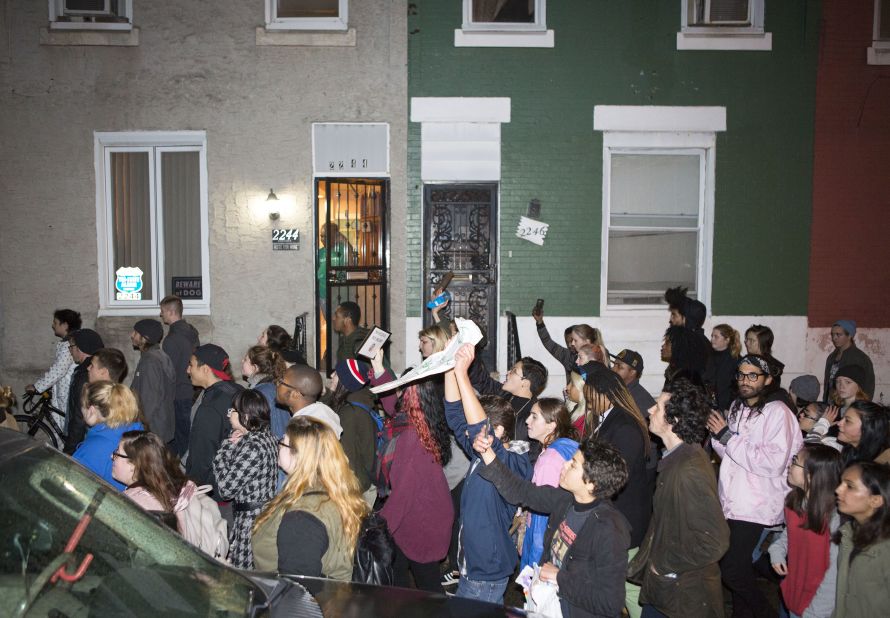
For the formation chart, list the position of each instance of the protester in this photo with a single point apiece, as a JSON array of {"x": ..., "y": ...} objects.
[
  {"x": 864, "y": 432},
  {"x": 756, "y": 442},
  {"x": 863, "y": 496},
  {"x": 154, "y": 380},
  {"x": 152, "y": 475},
  {"x": 685, "y": 311},
  {"x": 586, "y": 542},
  {"x": 628, "y": 365},
  {"x": 311, "y": 527},
  {"x": 58, "y": 376},
  {"x": 817, "y": 423},
  {"x": 432, "y": 339},
  {"x": 179, "y": 344},
  {"x": 686, "y": 352},
  {"x": 107, "y": 364},
  {"x": 209, "y": 370},
  {"x": 848, "y": 383},
  {"x": 580, "y": 335},
  {"x": 719, "y": 377},
  {"x": 409, "y": 475},
  {"x": 109, "y": 410},
  {"x": 803, "y": 553},
  {"x": 347, "y": 321},
  {"x": 525, "y": 380},
  {"x": 677, "y": 561},
  {"x": 354, "y": 404},
  {"x": 549, "y": 423},
  {"x": 299, "y": 389},
  {"x": 613, "y": 417},
  {"x": 846, "y": 354},
  {"x": 275, "y": 337},
  {"x": 486, "y": 554},
  {"x": 804, "y": 390},
  {"x": 82, "y": 344},
  {"x": 246, "y": 469},
  {"x": 260, "y": 367}
]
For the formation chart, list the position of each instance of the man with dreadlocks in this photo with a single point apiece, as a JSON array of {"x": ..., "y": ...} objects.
[
  {"x": 613, "y": 417},
  {"x": 756, "y": 443},
  {"x": 688, "y": 350}
]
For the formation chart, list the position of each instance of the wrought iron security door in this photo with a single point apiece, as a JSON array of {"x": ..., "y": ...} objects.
[
  {"x": 460, "y": 222},
  {"x": 352, "y": 259}
]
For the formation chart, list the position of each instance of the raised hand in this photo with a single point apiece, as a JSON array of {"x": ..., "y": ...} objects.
[{"x": 463, "y": 358}]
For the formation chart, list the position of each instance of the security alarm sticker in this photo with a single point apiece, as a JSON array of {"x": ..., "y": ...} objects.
[{"x": 128, "y": 283}]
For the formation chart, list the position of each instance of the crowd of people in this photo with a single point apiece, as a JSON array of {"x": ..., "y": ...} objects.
[{"x": 616, "y": 500}]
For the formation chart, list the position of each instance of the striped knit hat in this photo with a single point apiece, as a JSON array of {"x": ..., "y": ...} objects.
[{"x": 353, "y": 374}]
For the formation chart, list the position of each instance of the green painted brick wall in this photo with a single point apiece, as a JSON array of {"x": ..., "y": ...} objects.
[{"x": 624, "y": 53}]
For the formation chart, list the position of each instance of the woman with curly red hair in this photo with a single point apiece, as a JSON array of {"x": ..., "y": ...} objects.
[{"x": 418, "y": 507}]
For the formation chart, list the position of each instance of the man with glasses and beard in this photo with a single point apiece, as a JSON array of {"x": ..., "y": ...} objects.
[{"x": 756, "y": 442}]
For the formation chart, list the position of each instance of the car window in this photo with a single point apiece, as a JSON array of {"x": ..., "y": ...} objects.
[{"x": 138, "y": 565}]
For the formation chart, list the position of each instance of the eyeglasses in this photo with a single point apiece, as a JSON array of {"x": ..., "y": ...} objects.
[
  {"x": 748, "y": 377},
  {"x": 231, "y": 411},
  {"x": 116, "y": 455},
  {"x": 515, "y": 372},
  {"x": 280, "y": 382},
  {"x": 283, "y": 444},
  {"x": 795, "y": 463}
]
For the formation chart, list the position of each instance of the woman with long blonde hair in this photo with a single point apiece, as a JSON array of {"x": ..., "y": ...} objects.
[
  {"x": 311, "y": 527},
  {"x": 109, "y": 410}
]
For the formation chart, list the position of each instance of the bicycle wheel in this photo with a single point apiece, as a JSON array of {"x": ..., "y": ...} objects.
[{"x": 37, "y": 429}]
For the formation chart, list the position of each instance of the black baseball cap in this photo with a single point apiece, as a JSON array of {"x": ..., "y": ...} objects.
[{"x": 631, "y": 358}]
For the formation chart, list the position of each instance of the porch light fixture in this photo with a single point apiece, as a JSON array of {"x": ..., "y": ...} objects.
[{"x": 272, "y": 204}]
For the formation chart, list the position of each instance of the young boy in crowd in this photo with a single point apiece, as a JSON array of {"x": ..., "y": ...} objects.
[
  {"x": 486, "y": 554},
  {"x": 587, "y": 539}
]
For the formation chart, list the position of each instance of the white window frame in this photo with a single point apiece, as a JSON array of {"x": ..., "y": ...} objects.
[
  {"x": 57, "y": 9},
  {"x": 496, "y": 34},
  {"x": 879, "y": 52},
  {"x": 661, "y": 130},
  {"x": 740, "y": 38},
  {"x": 157, "y": 142},
  {"x": 273, "y": 22}
]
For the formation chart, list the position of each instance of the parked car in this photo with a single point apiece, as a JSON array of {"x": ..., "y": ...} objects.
[{"x": 127, "y": 563}]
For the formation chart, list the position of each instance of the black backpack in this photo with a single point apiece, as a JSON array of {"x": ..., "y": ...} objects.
[{"x": 375, "y": 552}]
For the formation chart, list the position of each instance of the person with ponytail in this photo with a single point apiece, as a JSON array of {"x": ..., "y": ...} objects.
[
  {"x": 719, "y": 376},
  {"x": 109, "y": 410},
  {"x": 803, "y": 553},
  {"x": 613, "y": 416},
  {"x": 550, "y": 424},
  {"x": 311, "y": 527}
]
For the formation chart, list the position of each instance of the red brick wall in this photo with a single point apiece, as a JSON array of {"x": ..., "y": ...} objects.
[{"x": 850, "y": 254}]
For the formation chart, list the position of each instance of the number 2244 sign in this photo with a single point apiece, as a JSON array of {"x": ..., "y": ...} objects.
[{"x": 286, "y": 239}]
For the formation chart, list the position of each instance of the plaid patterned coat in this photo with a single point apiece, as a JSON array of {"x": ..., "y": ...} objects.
[{"x": 246, "y": 473}]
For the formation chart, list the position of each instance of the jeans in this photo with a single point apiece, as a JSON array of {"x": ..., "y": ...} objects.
[
  {"x": 182, "y": 409},
  {"x": 490, "y": 591}
]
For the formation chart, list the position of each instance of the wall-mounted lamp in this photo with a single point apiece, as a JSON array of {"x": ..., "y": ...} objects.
[{"x": 272, "y": 204}]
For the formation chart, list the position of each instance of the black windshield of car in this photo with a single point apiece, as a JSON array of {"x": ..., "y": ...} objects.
[{"x": 138, "y": 566}]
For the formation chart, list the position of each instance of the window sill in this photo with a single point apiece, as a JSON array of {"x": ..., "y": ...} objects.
[
  {"x": 878, "y": 55},
  {"x": 725, "y": 42},
  {"x": 465, "y": 38},
  {"x": 150, "y": 311},
  {"x": 304, "y": 38},
  {"x": 102, "y": 37}
]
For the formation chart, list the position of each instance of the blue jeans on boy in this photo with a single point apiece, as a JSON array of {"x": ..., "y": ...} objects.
[{"x": 490, "y": 591}]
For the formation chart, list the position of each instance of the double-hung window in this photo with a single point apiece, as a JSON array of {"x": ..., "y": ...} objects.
[
  {"x": 151, "y": 210},
  {"x": 658, "y": 203},
  {"x": 504, "y": 23},
  {"x": 723, "y": 24},
  {"x": 307, "y": 14},
  {"x": 91, "y": 14},
  {"x": 879, "y": 52}
]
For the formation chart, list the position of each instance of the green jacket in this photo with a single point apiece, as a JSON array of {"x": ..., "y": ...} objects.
[
  {"x": 862, "y": 585},
  {"x": 687, "y": 535},
  {"x": 348, "y": 345},
  {"x": 336, "y": 563}
]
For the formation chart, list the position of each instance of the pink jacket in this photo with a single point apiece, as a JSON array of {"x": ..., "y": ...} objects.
[
  {"x": 143, "y": 498},
  {"x": 755, "y": 463}
]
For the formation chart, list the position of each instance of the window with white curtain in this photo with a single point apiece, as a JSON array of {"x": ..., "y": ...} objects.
[
  {"x": 152, "y": 219},
  {"x": 307, "y": 14}
]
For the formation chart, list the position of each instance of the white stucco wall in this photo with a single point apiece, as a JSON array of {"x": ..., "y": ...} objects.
[{"x": 197, "y": 66}]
